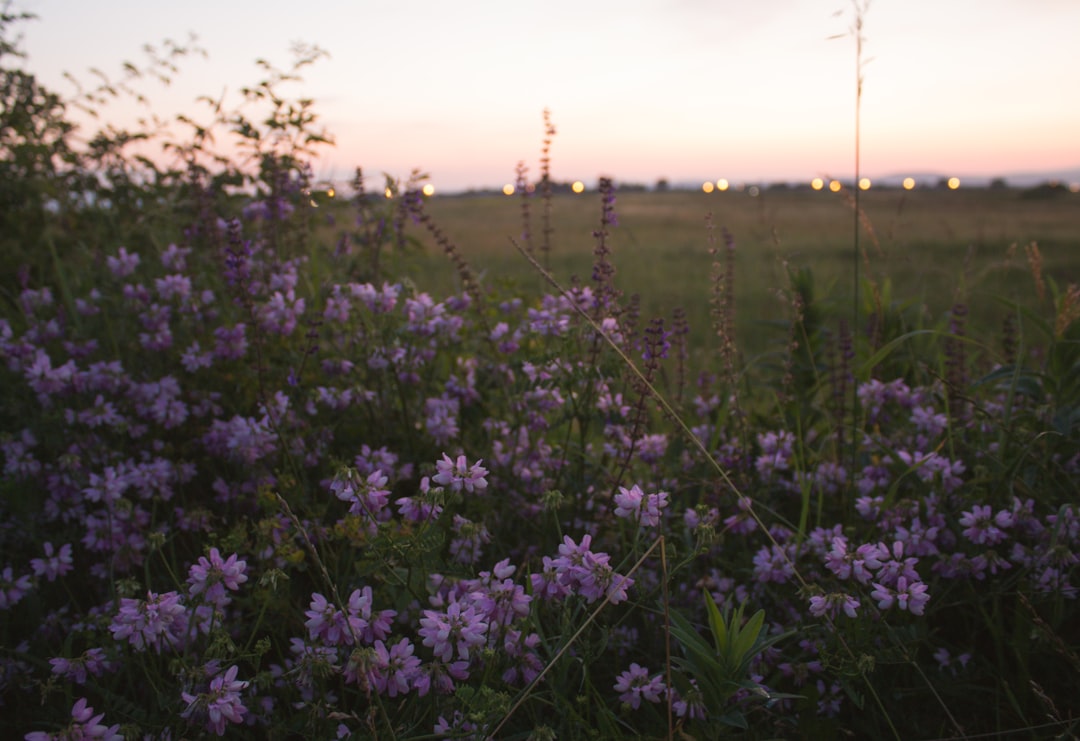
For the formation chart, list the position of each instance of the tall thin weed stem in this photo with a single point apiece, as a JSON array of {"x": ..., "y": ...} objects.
[
  {"x": 545, "y": 188},
  {"x": 861, "y": 6}
]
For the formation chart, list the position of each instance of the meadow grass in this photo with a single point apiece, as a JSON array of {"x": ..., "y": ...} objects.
[{"x": 935, "y": 247}]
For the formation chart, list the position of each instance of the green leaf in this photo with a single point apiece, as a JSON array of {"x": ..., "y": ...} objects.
[
  {"x": 717, "y": 626},
  {"x": 743, "y": 644},
  {"x": 734, "y": 719}
]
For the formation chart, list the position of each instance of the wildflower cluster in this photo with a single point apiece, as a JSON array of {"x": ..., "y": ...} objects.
[{"x": 253, "y": 484}]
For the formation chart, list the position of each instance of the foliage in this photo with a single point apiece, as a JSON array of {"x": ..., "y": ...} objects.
[{"x": 256, "y": 483}]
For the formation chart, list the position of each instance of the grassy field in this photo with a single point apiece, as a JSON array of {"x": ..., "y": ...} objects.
[{"x": 935, "y": 246}]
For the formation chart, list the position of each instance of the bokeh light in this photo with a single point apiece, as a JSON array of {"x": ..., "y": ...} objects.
[
  {"x": 864, "y": 183},
  {"x": 578, "y": 187},
  {"x": 508, "y": 189},
  {"x": 817, "y": 183},
  {"x": 429, "y": 190},
  {"x": 909, "y": 183},
  {"x": 835, "y": 186},
  {"x": 954, "y": 183},
  {"x": 388, "y": 192},
  {"x": 707, "y": 186},
  {"x": 722, "y": 184},
  {"x": 330, "y": 193}
]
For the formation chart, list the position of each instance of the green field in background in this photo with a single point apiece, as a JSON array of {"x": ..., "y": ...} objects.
[{"x": 934, "y": 246}]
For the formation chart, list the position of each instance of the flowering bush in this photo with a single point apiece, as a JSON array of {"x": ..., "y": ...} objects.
[{"x": 296, "y": 496}]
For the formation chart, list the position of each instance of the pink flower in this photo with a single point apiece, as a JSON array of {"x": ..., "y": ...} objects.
[
  {"x": 214, "y": 575},
  {"x": 393, "y": 671},
  {"x": 156, "y": 622},
  {"x": 911, "y": 597},
  {"x": 634, "y": 684},
  {"x": 326, "y": 623},
  {"x": 458, "y": 475},
  {"x": 54, "y": 564},
  {"x": 84, "y": 724},
  {"x": 220, "y": 704},
  {"x": 461, "y": 627},
  {"x": 634, "y": 504}
]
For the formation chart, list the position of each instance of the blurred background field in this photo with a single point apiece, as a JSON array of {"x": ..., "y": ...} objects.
[{"x": 935, "y": 246}]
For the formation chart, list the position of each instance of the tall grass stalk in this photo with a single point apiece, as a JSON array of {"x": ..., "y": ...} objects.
[{"x": 860, "y": 8}]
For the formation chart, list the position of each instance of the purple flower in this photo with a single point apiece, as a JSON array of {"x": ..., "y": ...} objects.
[
  {"x": 173, "y": 258},
  {"x": 123, "y": 264},
  {"x": 84, "y": 725},
  {"x": 831, "y": 698},
  {"x": 174, "y": 286},
  {"x": 194, "y": 358},
  {"x": 92, "y": 662},
  {"x": 499, "y": 598},
  {"x": 458, "y": 475},
  {"x": 579, "y": 571},
  {"x": 457, "y": 727},
  {"x": 244, "y": 439},
  {"x": 521, "y": 650},
  {"x": 54, "y": 564},
  {"x": 461, "y": 627},
  {"x": 928, "y": 421},
  {"x": 911, "y": 597},
  {"x": 634, "y": 684},
  {"x": 393, "y": 671},
  {"x": 369, "y": 625},
  {"x": 327, "y": 623},
  {"x": 231, "y": 342},
  {"x": 777, "y": 450},
  {"x": 692, "y": 706},
  {"x": 156, "y": 622},
  {"x": 220, "y": 704},
  {"x": 467, "y": 547},
  {"x": 280, "y": 313},
  {"x": 214, "y": 575},
  {"x": 773, "y": 564},
  {"x": 981, "y": 527},
  {"x": 548, "y": 583},
  {"x": 440, "y": 418},
  {"x": 440, "y": 677},
  {"x": 946, "y": 661},
  {"x": 366, "y": 497},
  {"x": 634, "y": 504},
  {"x": 12, "y": 589},
  {"x": 831, "y": 604},
  {"x": 423, "y": 507}
]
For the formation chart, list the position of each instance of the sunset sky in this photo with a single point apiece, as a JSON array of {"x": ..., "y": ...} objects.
[{"x": 688, "y": 90}]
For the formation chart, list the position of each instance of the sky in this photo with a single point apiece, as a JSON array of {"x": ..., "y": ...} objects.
[{"x": 639, "y": 90}]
